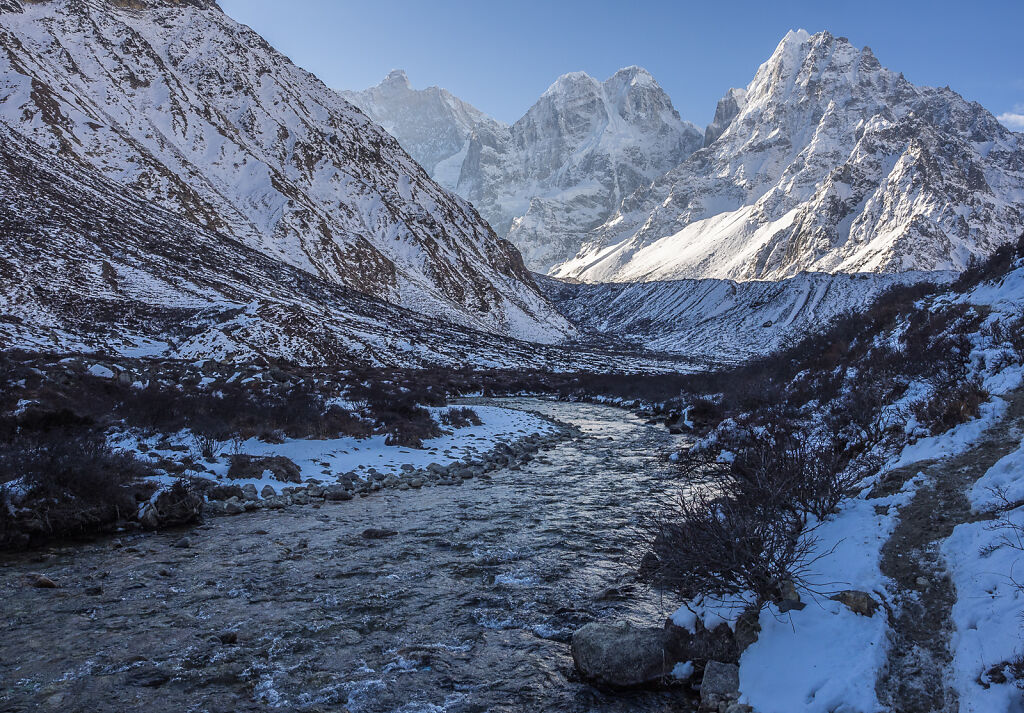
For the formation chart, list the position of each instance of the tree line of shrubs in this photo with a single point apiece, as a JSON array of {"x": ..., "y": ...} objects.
[{"x": 797, "y": 434}]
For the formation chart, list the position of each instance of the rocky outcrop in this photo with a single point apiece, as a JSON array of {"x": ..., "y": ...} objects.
[{"x": 728, "y": 109}]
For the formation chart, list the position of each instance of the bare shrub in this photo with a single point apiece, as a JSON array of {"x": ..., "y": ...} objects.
[
  {"x": 206, "y": 446},
  {"x": 996, "y": 265},
  {"x": 1008, "y": 332},
  {"x": 707, "y": 543},
  {"x": 336, "y": 421},
  {"x": 70, "y": 481},
  {"x": 950, "y": 406},
  {"x": 460, "y": 418}
]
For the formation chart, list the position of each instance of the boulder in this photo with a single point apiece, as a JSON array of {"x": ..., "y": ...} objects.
[
  {"x": 337, "y": 493},
  {"x": 249, "y": 492},
  {"x": 175, "y": 506},
  {"x": 268, "y": 492},
  {"x": 720, "y": 685},
  {"x": 858, "y": 602},
  {"x": 247, "y": 466},
  {"x": 620, "y": 655},
  {"x": 225, "y": 492}
]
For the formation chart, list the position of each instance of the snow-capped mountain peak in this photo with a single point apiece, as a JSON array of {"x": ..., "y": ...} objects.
[
  {"x": 826, "y": 161},
  {"x": 397, "y": 78},
  {"x": 559, "y": 171}
]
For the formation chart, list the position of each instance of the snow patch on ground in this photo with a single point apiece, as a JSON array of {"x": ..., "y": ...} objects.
[{"x": 325, "y": 460}]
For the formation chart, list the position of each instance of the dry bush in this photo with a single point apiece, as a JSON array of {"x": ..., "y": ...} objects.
[
  {"x": 1008, "y": 332},
  {"x": 69, "y": 480},
  {"x": 461, "y": 418},
  {"x": 951, "y": 405},
  {"x": 744, "y": 525},
  {"x": 707, "y": 543},
  {"x": 996, "y": 265},
  {"x": 787, "y": 469}
]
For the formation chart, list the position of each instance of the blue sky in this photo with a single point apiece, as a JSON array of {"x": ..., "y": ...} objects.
[{"x": 500, "y": 56}]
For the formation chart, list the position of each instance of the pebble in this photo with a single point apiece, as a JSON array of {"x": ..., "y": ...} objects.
[
  {"x": 41, "y": 581},
  {"x": 374, "y": 533}
]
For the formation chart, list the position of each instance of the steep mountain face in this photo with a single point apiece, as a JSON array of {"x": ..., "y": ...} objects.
[
  {"x": 728, "y": 108},
  {"x": 90, "y": 265},
  {"x": 721, "y": 321},
  {"x": 175, "y": 103},
  {"x": 558, "y": 172},
  {"x": 826, "y": 162},
  {"x": 432, "y": 124}
]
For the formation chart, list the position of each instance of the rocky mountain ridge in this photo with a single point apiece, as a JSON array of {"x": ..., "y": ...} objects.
[
  {"x": 185, "y": 108},
  {"x": 556, "y": 173},
  {"x": 828, "y": 162}
]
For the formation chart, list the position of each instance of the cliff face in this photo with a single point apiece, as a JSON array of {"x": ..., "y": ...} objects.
[{"x": 555, "y": 174}]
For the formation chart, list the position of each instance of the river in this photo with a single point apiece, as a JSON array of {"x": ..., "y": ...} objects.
[{"x": 468, "y": 608}]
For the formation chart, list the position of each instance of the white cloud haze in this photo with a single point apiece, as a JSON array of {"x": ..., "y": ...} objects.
[{"x": 1013, "y": 120}]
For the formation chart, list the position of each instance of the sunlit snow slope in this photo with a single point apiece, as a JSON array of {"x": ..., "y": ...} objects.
[{"x": 826, "y": 162}]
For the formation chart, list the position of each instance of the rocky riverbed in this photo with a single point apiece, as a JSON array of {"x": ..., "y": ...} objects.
[{"x": 427, "y": 599}]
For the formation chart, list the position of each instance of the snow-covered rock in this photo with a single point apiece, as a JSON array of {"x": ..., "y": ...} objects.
[
  {"x": 559, "y": 171},
  {"x": 827, "y": 162},
  {"x": 177, "y": 104}
]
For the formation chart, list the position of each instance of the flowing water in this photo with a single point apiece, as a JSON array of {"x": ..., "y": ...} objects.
[{"x": 469, "y": 607}]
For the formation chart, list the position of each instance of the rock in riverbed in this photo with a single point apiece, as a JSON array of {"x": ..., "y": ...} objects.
[
  {"x": 374, "y": 533},
  {"x": 619, "y": 654},
  {"x": 41, "y": 581},
  {"x": 336, "y": 493}
]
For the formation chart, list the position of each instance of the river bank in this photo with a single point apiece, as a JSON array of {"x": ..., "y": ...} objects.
[{"x": 469, "y": 606}]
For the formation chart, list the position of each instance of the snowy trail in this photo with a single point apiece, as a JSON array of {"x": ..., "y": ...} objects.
[{"x": 920, "y": 658}]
